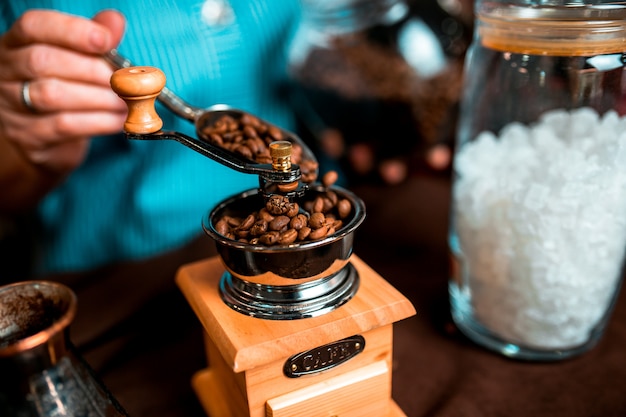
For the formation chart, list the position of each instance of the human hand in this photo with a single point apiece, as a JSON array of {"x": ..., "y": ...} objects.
[{"x": 60, "y": 57}]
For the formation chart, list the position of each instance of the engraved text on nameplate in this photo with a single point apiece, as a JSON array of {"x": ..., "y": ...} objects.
[{"x": 323, "y": 357}]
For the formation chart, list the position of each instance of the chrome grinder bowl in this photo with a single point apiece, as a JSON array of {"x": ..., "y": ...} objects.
[{"x": 279, "y": 282}]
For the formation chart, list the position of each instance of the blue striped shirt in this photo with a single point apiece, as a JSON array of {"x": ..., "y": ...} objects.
[{"x": 135, "y": 199}]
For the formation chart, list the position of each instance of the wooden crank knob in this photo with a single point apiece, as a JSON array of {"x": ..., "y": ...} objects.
[{"x": 139, "y": 87}]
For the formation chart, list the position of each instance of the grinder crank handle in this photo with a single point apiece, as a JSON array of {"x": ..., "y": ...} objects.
[
  {"x": 167, "y": 97},
  {"x": 140, "y": 86}
]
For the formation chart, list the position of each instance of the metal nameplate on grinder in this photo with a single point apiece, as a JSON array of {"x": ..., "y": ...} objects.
[{"x": 323, "y": 357}]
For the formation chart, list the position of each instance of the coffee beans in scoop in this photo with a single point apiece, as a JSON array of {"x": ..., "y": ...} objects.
[{"x": 249, "y": 137}]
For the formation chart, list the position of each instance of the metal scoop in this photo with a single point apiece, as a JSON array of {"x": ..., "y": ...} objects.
[{"x": 140, "y": 86}]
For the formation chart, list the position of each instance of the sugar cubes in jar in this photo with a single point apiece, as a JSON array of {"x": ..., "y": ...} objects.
[{"x": 538, "y": 222}]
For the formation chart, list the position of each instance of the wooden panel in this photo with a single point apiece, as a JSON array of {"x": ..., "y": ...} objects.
[
  {"x": 247, "y": 342},
  {"x": 363, "y": 392},
  {"x": 234, "y": 384},
  {"x": 214, "y": 397},
  {"x": 215, "y": 401},
  {"x": 268, "y": 381}
]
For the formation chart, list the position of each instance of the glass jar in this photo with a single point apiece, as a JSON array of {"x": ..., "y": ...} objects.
[
  {"x": 538, "y": 221},
  {"x": 377, "y": 72},
  {"x": 41, "y": 373}
]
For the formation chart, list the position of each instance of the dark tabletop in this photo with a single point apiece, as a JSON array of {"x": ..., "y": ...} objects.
[{"x": 136, "y": 330}]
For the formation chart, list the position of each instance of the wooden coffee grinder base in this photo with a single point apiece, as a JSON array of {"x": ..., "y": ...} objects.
[{"x": 346, "y": 352}]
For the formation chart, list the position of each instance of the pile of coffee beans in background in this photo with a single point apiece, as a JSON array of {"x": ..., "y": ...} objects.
[
  {"x": 285, "y": 222},
  {"x": 390, "y": 85},
  {"x": 369, "y": 93},
  {"x": 249, "y": 137}
]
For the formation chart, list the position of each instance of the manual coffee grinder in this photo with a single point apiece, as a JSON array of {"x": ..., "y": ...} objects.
[{"x": 291, "y": 330}]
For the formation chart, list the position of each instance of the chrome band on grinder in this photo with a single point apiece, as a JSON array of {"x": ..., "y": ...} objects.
[{"x": 298, "y": 301}]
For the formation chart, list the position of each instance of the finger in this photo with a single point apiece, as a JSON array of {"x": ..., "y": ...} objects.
[
  {"x": 61, "y": 158},
  {"x": 50, "y": 61},
  {"x": 39, "y": 132},
  {"x": 54, "y": 95},
  {"x": 115, "y": 22},
  {"x": 14, "y": 97},
  {"x": 63, "y": 30}
]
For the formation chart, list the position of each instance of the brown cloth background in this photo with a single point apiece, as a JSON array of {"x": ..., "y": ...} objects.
[{"x": 140, "y": 336}]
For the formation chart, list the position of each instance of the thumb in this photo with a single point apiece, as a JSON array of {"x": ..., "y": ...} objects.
[{"x": 115, "y": 22}]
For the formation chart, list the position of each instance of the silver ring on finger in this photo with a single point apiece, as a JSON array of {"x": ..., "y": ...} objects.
[{"x": 26, "y": 99}]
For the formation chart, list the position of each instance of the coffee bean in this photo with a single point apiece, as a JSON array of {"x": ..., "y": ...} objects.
[
  {"x": 308, "y": 170},
  {"x": 298, "y": 222},
  {"x": 275, "y": 133},
  {"x": 344, "y": 207},
  {"x": 278, "y": 204},
  {"x": 221, "y": 125},
  {"x": 328, "y": 205},
  {"x": 294, "y": 209},
  {"x": 318, "y": 205},
  {"x": 232, "y": 221},
  {"x": 329, "y": 178},
  {"x": 216, "y": 139},
  {"x": 264, "y": 159},
  {"x": 318, "y": 233},
  {"x": 288, "y": 237},
  {"x": 269, "y": 238},
  {"x": 317, "y": 220},
  {"x": 279, "y": 222},
  {"x": 250, "y": 132},
  {"x": 296, "y": 151},
  {"x": 260, "y": 148},
  {"x": 244, "y": 151},
  {"x": 265, "y": 215},
  {"x": 304, "y": 233},
  {"x": 332, "y": 196},
  {"x": 247, "y": 222},
  {"x": 222, "y": 227},
  {"x": 248, "y": 119},
  {"x": 252, "y": 145},
  {"x": 258, "y": 228},
  {"x": 242, "y": 234}
]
